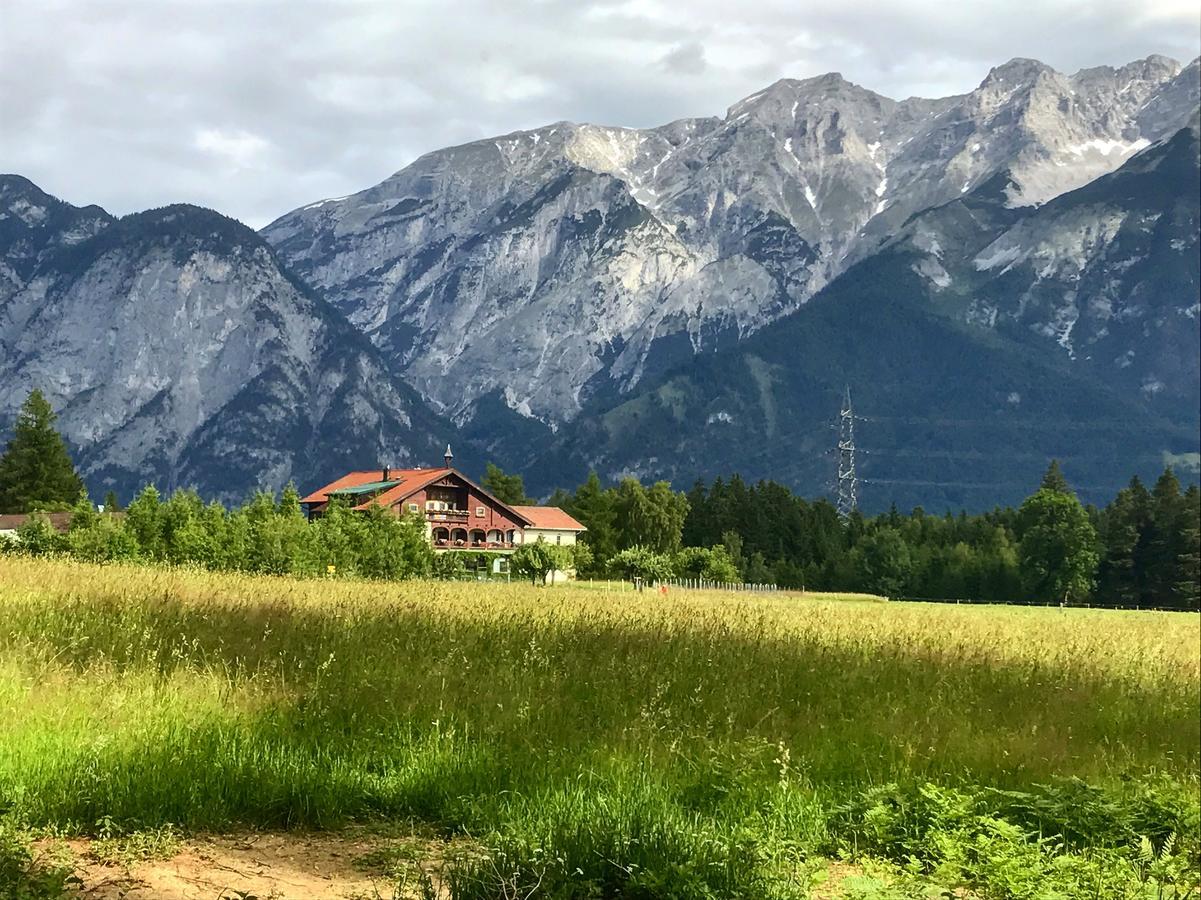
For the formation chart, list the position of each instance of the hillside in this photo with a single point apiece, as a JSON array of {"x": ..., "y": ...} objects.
[
  {"x": 178, "y": 351},
  {"x": 963, "y": 388},
  {"x": 1001, "y": 277},
  {"x": 554, "y": 267}
]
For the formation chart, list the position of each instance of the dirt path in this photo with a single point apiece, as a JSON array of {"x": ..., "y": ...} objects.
[
  {"x": 355, "y": 864},
  {"x": 268, "y": 866}
]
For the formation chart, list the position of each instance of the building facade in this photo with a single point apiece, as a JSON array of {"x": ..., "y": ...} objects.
[{"x": 458, "y": 513}]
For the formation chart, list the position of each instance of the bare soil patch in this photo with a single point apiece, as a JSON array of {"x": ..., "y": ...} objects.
[{"x": 349, "y": 865}]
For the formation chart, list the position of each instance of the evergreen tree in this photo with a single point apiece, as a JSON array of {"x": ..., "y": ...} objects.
[
  {"x": 1164, "y": 541},
  {"x": 1053, "y": 479},
  {"x": 559, "y": 498},
  {"x": 111, "y": 503},
  {"x": 1188, "y": 584},
  {"x": 594, "y": 507},
  {"x": 505, "y": 488},
  {"x": 758, "y": 571},
  {"x": 36, "y": 471},
  {"x": 1123, "y": 526}
]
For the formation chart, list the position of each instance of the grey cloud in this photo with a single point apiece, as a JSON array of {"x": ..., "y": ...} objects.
[
  {"x": 256, "y": 108},
  {"x": 686, "y": 59}
]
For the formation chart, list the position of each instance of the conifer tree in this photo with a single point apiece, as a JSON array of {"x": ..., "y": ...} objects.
[
  {"x": 1053, "y": 479},
  {"x": 36, "y": 471},
  {"x": 1124, "y": 525},
  {"x": 1188, "y": 572},
  {"x": 1165, "y": 544},
  {"x": 594, "y": 507}
]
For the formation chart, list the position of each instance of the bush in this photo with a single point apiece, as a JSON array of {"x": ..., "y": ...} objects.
[
  {"x": 537, "y": 560},
  {"x": 37, "y": 537},
  {"x": 1065, "y": 839},
  {"x": 642, "y": 562},
  {"x": 711, "y": 564}
]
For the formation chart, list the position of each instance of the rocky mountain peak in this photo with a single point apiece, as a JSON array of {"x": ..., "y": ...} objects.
[
  {"x": 21, "y": 199},
  {"x": 821, "y": 91},
  {"x": 24, "y": 204},
  {"x": 586, "y": 256},
  {"x": 178, "y": 351},
  {"x": 1018, "y": 71}
]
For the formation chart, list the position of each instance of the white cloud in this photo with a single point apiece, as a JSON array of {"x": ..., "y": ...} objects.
[
  {"x": 238, "y": 149},
  {"x": 257, "y": 108}
]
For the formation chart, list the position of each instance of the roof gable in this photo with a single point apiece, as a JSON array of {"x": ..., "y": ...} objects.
[
  {"x": 368, "y": 480},
  {"x": 404, "y": 483},
  {"x": 549, "y": 517}
]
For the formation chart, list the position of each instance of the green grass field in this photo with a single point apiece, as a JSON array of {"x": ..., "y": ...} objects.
[{"x": 594, "y": 744}]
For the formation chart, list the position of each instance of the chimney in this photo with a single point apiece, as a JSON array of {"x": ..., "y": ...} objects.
[
  {"x": 448, "y": 457},
  {"x": 386, "y": 473}
]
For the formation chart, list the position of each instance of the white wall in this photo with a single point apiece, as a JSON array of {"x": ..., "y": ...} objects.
[{"x": 552, "y": 536}]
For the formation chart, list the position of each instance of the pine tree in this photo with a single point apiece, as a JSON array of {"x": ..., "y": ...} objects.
[
  {"x": 1163, "y": 543},
  {"x": 36, "y": 471},
  {"x": 1188, "y": 584},
  {"x": 594, "y": 507},
  {"x": 1123, "y": 527},
  {"x": 111, "y": 503},
  {"x": 1053, "y": 479}
]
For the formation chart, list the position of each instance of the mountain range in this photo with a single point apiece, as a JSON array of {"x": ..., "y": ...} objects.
[{"x": 999, "y": 277}]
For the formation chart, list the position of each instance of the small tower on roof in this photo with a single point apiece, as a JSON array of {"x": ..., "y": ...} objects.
[{"x": 448, "y": 457}]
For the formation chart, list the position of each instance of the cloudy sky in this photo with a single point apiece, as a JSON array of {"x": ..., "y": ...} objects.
[{"x": 254, "y": 107}]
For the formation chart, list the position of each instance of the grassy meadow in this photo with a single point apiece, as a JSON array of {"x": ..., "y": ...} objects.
[{"x": 591, "y": 743}]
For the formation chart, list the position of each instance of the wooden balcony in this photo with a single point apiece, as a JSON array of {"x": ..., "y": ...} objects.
[
  {"x": 447, "y": 515},
  {"x": 473, "y": 545}
]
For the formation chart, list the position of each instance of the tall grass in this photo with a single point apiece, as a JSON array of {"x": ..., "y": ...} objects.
[{"x": 615, "y": 741}]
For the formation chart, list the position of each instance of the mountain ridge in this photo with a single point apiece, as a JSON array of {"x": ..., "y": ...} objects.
[
  {"x": 651, "y": 301},
  {"x": 743, "y": 219},
  {"x": 207, "y": 364}
]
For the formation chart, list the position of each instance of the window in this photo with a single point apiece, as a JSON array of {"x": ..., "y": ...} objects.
[
  {"x": 413, "y": 507},
  {"x": 558, "y": 538},
  {"x": 479, "y": 512}
]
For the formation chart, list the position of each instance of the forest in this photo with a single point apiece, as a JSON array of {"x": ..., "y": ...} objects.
[{"x": 1142, "y": 550}]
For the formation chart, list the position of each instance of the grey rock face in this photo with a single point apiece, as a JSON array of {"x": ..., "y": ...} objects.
[
  {"x": 1107, "y": 276},
  {"x": 178, "y": 352},
  {"x": 980, "y": 341},
  {"x": 557, "y": 264}
]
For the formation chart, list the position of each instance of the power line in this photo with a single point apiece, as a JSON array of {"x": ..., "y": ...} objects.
[{"x": 848, "y": 484}]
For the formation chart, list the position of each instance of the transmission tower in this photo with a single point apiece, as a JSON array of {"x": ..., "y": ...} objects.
[{"x": 848, "y": 483}]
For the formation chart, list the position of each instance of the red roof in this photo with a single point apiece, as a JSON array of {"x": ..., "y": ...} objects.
[
  {"x": 60, "y": 521},
  {"x": 410, "y": 480},
  {"x": 550, "y": 517}
]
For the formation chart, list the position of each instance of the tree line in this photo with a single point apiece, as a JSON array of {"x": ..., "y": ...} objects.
[{"x": 1143, "y": 549}]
